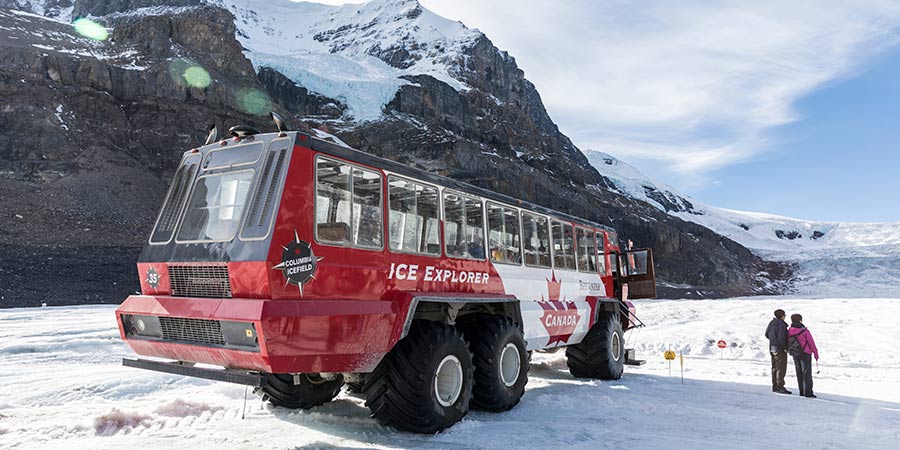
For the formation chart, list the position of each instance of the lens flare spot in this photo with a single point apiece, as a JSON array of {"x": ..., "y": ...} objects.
[
  {"x": 253, "y": 101},
  {"x": 197, "y": 77},
  {"x": 90, "y": 29}
]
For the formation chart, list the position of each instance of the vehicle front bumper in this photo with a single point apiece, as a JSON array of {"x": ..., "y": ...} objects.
[{"x": 273, "y": 336}]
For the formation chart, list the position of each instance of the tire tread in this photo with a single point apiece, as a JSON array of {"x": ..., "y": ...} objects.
[
  {"x": 591, "y": 357},
  {"x": 397, "y": 391}
]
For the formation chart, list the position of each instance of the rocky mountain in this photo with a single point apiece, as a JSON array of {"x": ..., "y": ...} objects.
[{"x": 92, "y": 125}]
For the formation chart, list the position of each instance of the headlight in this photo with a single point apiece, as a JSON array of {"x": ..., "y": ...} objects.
[{"x": 142, "y": 326}]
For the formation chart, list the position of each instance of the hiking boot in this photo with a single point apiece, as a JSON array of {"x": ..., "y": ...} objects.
[
  {"x": 783, "y": 391},
  {"x": 810, "y": 396}
]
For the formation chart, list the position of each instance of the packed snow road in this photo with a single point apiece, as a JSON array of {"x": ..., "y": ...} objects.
[{"x": 62, "y": 386}]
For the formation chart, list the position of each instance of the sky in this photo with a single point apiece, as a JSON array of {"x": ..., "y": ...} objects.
[{"x": 781, "y": 107}]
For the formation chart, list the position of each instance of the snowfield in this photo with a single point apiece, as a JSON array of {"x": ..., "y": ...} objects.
[
  {"x": 833, "y": 259},
  {"x": 62, "y": 386}
]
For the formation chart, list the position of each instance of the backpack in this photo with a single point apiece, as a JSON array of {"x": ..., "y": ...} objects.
[{"x": 795, "y": 348}]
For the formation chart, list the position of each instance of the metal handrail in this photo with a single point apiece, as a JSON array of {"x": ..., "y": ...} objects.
[{"x": 630, "y": 314}]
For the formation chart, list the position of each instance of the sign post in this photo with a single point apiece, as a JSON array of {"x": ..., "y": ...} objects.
[
  {"x": 722, "y": 344},
  {"x": 670, "y": 356},
  {"x": 681, "y": 358}
]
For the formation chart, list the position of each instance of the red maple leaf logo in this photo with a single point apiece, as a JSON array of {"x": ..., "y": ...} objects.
[
  {"x": 553, "y": 288},
  {"x": 560, "y": 318}
]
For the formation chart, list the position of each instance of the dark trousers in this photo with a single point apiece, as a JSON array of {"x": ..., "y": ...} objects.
[
  {"x": 803, "y": 366},
  {"x": 779, "y": 368}
]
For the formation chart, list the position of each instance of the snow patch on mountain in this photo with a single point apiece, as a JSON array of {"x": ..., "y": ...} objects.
[
  {"x": 629, "y": 181},
  {"x": 834, "y": 258},
  {"x": 355, "y": 53},
  {"x": 47, "y": 9}
]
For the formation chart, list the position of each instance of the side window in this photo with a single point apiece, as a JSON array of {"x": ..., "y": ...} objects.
[
  {"x": 463, "y": 226},
  {"x": 504, "y": 235},
  {"x": 587, "y": 253},
  {"x": 454, "y": 225},
  {"x": 333, "y": 196},
  {"x": 402, "y": 209},
  {"x": 348, "y": 205},
  {"x": 601, "y": 255},
  {"x": 367, "y": 229},
  {"x": 495, "y": 232},
  {"x": 536, "y": 240},
  {"x": 413, "y": 217},
  {"x": 563, "y": 246},
  {"x": 475, "y": 227}
]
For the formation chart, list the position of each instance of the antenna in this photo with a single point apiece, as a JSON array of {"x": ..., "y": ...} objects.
[
  {"x": 279, "y": 122},
  {"x": 213, "y": 134}
]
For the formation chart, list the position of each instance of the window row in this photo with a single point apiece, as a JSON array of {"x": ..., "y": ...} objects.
[{"x": 349, "y": 212}]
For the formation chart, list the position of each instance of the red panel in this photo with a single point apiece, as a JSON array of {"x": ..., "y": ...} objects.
[{"x": 249, "y": 279}]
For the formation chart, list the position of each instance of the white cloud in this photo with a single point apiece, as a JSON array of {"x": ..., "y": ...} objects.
[{"x": 691, "y": 84}]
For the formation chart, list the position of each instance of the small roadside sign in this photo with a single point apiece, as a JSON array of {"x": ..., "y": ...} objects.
[
  {"x": 722, "y": 343},
  {"x": 670, "y": 356}
]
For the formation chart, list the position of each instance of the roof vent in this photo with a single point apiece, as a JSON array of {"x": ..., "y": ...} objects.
[{"x": 242, "y": 131}]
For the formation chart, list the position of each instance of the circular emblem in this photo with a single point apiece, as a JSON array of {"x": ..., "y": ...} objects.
[
  {"x": 298, "y": 263},
  {"x": 153, "y": 278}
]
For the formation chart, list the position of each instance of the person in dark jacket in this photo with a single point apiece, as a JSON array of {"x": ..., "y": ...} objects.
[
  {"x": 803, "y": 360},
  {"x": 777, "y": 332}
]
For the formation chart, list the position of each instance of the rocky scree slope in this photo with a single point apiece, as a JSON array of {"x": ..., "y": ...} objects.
[{"x": 90, "y": 132}]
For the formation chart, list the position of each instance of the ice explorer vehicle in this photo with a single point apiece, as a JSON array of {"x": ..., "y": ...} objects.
[{"x": 299, "y": 265}]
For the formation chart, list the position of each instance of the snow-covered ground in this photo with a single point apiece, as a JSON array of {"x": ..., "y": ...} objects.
[
  {"x": 61, "y": 386},
  {"x": 833, "y": 258}
]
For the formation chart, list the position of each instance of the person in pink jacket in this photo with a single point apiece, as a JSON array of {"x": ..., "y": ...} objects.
[{"x": 802, "y": 355}]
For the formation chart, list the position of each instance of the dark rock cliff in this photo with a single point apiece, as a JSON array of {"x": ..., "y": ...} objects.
[{"x": 90, "y": 134}]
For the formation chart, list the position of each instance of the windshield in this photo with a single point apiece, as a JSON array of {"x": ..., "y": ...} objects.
[{"x": 214, "y": 211}]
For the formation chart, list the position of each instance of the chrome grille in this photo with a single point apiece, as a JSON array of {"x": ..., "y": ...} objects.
[
  {"x": 208, "y": 281},
  {"x": 197, "y": 331}
]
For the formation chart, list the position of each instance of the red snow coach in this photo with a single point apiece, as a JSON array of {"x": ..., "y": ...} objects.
[{"x": 298, "y": 266}]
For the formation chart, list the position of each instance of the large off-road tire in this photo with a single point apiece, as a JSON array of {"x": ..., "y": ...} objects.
[
  {"x": 501, "y": 362},
  {"x": 312, "y": 390},
  {"x": 602, "y": 352},
  {"x": 424, "y": 384}
]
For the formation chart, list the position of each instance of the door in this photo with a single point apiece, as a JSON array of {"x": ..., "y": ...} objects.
[{"x": 637, "y": 273}]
